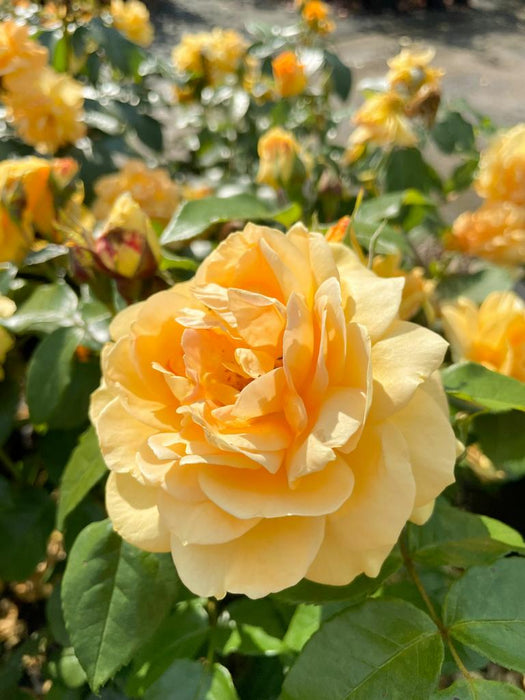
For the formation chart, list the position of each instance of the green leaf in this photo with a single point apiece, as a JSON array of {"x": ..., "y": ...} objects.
[
  {"x": 55, "y": 617},
  {"x": 454, "y": 134},
  {"x": 357, "y": 654},
  {"x": 193, "y": 681},
  {"x": 340, "y": 75},
  {"x": 49, "y": 307},
  {"x": 26, "y": 520},
  {"x": 114, "y": 597},
  {"x": 502, "y": 439},
  {"x": 485, "y": 610},
  {"x": 181, "y": 635},
  {"x": 388, "y": 241},
  {"x": 49, "y": 372},
  {"x": 121, "y": 53},
  {"x": 476, "y": 285},
  {"x": 355, "y": 592},
  {"x": 407, "y": 169},
  {"x": 390, "y": 206},
  {"x": 462, "y": 176},
  {"x": 479, "y": 689},
  {"x": 258, "y": 627},
  {"x": 195, "y": 217},
  {"x": 454, "y": 538},
  {"x": 483, "y": 388},
  {"x": 72, "y": 409},
  {"x": 85, "y": 468},
  {"x": 305, "y": 621},
  {"x": 9, "y": 397}
]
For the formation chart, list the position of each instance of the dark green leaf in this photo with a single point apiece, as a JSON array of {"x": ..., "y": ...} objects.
[
  {"x": 502, "y": 439},
  {"x": 479, "y": 689},
  {"x": 9, "y": 398},
  {"x": 26, "y": 520},
  {"x": 84, "y": 469},
  {"x": 476, "y": 285},
  {"x": 195, "y": 217},
  {"x": 72, "y": 409},
  {"x": 340, "y": 75},
  {"x": 454, "y": 134},
  {"x": 49, "y": 307},
  {"x": 462, "y": 176},
  {"x": 454, "y": 538},
  {"x": 49, "y": 372},
  {"x": 358, "y": 653},
  {"x": 114, "y": 598},
  {"x": 407, "y": 169},
  {"x": 485, "y": 610},
  {"x": 181, "y": 635},
  {"x": 483, "y": 388},
  {"x": 55, "y": 617},
  {"x": 191, "y": 680},
  {"x": 121, "y": 53},
  {"x": 304, "y": 623}
]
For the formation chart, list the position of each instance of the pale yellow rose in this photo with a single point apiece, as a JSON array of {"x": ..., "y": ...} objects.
[
  {"x": 46, "y": 110},
  {"x": 7, "y": 308},
  {"x": 410, "y": 70},
  {"x": 381, "y": 121},
  {"x": 127, "y": 245},
  {"x": 492, "y": 334},
  {"x": 210, "y": 56},
  {"x": 288, "y": 74},
  {"x": 417, "y": 290},
  {"x": 272, "y": 419},
  {"x": 317, "y": 16},
  {"x": 502, "y": 168},
  {"x": 151, "y": 188},
  {"x": 131, "y": 18},
  {"x": 495, "y": 231},
  {"x": 281, "y": 159},
  {"x": 19, "y": 54}
]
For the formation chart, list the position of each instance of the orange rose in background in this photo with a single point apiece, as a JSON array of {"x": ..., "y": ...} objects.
[
  {"x": 317, "y": 17},
  {"x": 495, "y": 231},
  {"x": 272, "y": 419},
  {"x": 47, "y": 109},
  {"x": 492, "y": 334},
  {"x": 131, "y": 18},
  {"x": 289, "y": 75},
  {"x": 502, "y": 168},
  {"x": 19, "y": 54}
]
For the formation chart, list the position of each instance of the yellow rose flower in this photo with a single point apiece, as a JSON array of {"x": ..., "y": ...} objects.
[
  {"x": 46, "y": 110},
  {"x": 492, "y": 334},
  {"x": 272, "y": 419},
  {"x": 151, "y": 188},
  {"x": 19, "y": 54},
  {"x": 7, "y": 308},
  {"x": 495, "y": 231},
  {"x": 502, "y": 168},
  {"x": 128, "y": 246},
  {"x": 410, "y": 70},
  {"x": 316, "y": 15},
  {"x": 281, "y": 159},
  {"x": 288, "y": 74},
  {"x": 131, "y": 18},
  {"x": 417, "y": 290},
  {"x": 382, "y": 121},
  {"x": 210, "y": 56}
]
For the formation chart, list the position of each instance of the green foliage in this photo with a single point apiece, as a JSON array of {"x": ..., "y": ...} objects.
[
  {"x": 483, "y": 389},
  {"x": 114, "y": 598}
]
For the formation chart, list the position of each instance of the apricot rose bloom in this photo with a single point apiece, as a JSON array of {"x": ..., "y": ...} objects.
[
  {"x": 495, "y": 231},
  {"x": 288, "y": 74},
  {"x": 281, "y": 159},
  {"x": 317, "y": 16},
  {"x": 272, "y": 418},
  {"x": 19, "y": 54},
  {"x": 502, "y": 168},
  {"x": 46, "y": 110},
  {"x": 492, "y": 334},
  {"x": 131, "y": 18}
]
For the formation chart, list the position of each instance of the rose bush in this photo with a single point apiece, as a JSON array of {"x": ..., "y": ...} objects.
[{"x": 271, "y": 419}]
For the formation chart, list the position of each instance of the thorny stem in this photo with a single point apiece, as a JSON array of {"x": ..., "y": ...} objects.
[{"x": 409, "y": 564}]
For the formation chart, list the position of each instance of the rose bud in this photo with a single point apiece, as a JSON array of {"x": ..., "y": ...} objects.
[{"x": 128, "y": 246}]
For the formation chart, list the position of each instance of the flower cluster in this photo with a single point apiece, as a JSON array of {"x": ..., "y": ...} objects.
[
  {"x": 131, "y": 18},
  {"x": 496, "y": 231},
  {"x": 44, "y": 106},
  {"x": 386, "y": 118}
]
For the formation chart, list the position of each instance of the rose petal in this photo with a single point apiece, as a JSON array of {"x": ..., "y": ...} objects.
[
  {"x": 273, "y": 555},
  {"x": 133, "y": 510}
]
